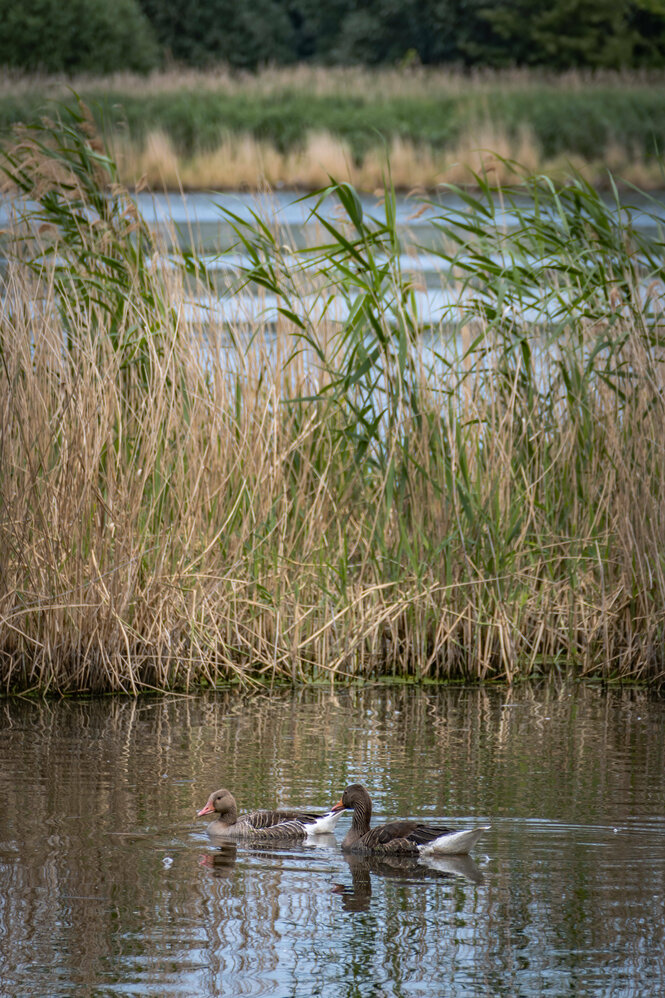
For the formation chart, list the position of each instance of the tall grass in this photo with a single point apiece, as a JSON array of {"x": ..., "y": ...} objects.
[
  {"x": 299, "y": 124},
  {"x": 349, "y": 494},
  {"x": 363, "y": 82}
]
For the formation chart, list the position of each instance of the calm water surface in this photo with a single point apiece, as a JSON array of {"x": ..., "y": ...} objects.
[
  {"x": 196, "y": 221},
  {"x": 109, "y": 885}
]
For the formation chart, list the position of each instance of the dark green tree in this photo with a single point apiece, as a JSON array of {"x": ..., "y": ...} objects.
[
  {"x": 564, "y": 34},
  {"x": 203, "y": 32},
  {"x": 380, "y": 31},
  {"x": 76, "y": 36},
  {"x": 96, "y": 36},
  {"x": 557, "y": 34}
]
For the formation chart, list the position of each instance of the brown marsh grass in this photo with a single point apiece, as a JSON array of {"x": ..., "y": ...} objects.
[
  {"x": 188, "y": 504},
  {"x": 243, "y": 162},
  {"x": 367, "y": 84},
  {"x": 241, "y": 158}
]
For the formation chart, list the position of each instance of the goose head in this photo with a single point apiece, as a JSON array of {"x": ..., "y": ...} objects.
[
  {"x": 222, "y": 802},
  {"x": 355, "y": 798}
]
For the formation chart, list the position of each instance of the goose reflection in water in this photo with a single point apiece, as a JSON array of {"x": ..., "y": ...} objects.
[
  {"x": 221, "y": 862},
  {"x": 407, "y": 869}
]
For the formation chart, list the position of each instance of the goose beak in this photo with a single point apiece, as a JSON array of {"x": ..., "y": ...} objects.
[
  {"x": 339, "y": 806},
  {"x": 208, "y": 809}
]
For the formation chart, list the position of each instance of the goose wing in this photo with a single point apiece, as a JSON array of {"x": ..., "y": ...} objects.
[
  {"x": 392, "y": 837},
  {"x": 282, "y": 824},
  {"x": 314, "y": 824},
  {"x": 289, "y": 829},
  {"x": 400, "y": 837},
  {"x": 422, "y": 835},
  {"x": 266, "y": 819}
]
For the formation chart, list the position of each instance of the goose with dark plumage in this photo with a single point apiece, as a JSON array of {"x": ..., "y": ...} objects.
[
  {"x": 263, "y": 825},
  {"x": 399, "y": 837}
]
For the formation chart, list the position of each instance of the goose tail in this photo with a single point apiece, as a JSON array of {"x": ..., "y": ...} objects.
[
  {"x": 323, "y": 825},
  {"x": 454, "y": 843}
]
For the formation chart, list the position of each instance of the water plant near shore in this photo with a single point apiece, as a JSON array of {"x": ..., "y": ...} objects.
[{"x": 188, "y": 503}]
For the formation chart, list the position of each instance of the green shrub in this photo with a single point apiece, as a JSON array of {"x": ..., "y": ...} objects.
[
  {"x": 203, "y": 32},
  {"x": 89, "y": 36}
]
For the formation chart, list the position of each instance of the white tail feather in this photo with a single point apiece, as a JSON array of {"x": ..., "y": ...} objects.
[
  {"x": 326, "y": 823},
  {"x": 454, "y": 843}
]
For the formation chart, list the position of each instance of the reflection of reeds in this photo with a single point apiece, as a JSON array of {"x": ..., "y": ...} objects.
[{"x": 180, "y": 507}]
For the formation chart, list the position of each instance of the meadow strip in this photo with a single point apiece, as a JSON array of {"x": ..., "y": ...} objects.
[{"x": 296, "y": 126}]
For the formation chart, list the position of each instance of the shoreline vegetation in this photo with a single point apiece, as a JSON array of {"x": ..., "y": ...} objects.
[
  {"x": 186, "y": 504},
  {"x": 295, "y": 127}
]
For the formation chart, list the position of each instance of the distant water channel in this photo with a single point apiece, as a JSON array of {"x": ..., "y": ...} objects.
[
  {"x": 109, "y": 885},
  {"x": 200, "y": 220},
  {"x": 197, "y": 221}
]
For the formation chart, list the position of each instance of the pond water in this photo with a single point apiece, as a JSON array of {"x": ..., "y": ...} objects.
[
  {"x": 109, "y": 885},
  {"x": 198, "y": 221}
]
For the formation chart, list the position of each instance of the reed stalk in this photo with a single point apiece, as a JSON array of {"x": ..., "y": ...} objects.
[{"x": 187, "y": 503}]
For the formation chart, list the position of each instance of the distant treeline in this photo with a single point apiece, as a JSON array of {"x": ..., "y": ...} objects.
[{"x": 98, "y": 37}]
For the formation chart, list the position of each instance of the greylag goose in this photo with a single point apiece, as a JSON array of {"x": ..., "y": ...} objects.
[
  {"x": 400, "y": 837},
  {"x": 262, "y": 825}
]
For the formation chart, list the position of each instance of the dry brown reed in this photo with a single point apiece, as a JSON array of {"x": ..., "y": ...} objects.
[
  {"x": 359, "y": 81},
  {"x": 240, "y": 159},
  {"x": 182, "y": 505},
  {"x": 198, "y": 529}
]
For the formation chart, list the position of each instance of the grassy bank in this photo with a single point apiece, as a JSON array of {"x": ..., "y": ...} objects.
[
  {"x": 184, "y": 504},
  {"x": 297, "y": 126}
]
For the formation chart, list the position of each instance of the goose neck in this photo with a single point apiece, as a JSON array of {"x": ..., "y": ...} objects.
[{"x": 362, "y": 813}]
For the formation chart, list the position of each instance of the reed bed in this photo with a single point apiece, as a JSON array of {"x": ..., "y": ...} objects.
[
  {"x": 362, "y": 82},
  {"x": 187, "y": 504},
  {"x": 241, "y": 162},
  {"x": 295, "y": 126}
]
